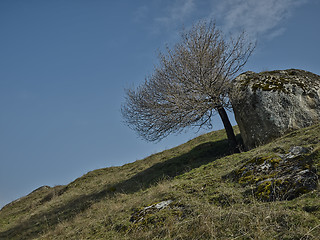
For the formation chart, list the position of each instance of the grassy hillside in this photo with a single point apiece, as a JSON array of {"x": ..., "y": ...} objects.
[{"x": 197, "y": 179}]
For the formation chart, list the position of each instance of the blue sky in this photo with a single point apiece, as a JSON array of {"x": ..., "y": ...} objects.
[{"x": 64, "y": 65}]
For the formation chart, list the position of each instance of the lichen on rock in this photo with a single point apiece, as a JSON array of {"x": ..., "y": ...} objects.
[
  {"x": 269, "y": 104},
  {"x": 279, "y": 177}
]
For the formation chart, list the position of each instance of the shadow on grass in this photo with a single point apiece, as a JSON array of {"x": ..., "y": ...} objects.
[{"x": 39, "y": 223}]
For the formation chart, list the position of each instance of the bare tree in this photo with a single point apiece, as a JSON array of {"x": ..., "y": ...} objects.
[{"x": 190, "y": 84}]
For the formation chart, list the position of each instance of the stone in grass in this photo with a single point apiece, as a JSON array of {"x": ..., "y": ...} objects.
[
  {"x": 140, "y": 215},
  {"x": 158, "y": 214}
]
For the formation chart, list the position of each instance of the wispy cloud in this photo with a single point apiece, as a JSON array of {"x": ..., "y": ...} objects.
[
  {"x": 256, "y": 17},
  {"x": 259, "y": 18},
  {"x": 176, "y": 12},
  {"x": 162, "y": 16},
  {"x": 140, "y": 13}
]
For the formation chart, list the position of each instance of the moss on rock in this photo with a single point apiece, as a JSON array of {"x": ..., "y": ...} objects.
[{"x": 276, "y": 80}]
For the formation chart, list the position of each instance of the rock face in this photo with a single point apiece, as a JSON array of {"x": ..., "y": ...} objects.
[{"x": 269, "y": 104}]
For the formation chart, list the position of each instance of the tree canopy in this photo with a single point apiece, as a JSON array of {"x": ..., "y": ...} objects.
[{"x": 190, "y": 84}]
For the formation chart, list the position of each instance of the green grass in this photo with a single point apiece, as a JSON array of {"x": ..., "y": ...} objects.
[{"x": 207, "y": 204}]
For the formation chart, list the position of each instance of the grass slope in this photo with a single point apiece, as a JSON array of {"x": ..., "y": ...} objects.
[{"x": 107, "y": 203}]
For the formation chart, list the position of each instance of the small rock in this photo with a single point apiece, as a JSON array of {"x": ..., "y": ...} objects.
[
  {"x": 162, "y": 204},
  {"x": 295, "y": 152},
  {"x": 140, "y": 214}
]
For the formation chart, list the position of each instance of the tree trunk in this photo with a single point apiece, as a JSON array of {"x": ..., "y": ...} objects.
[{"x": 233, "y": 145}]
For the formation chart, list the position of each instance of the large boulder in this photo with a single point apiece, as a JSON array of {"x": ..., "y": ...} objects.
[{"x": 269, "y": 104}]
